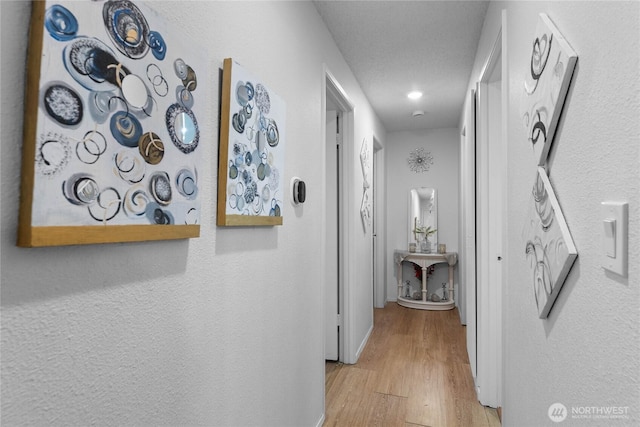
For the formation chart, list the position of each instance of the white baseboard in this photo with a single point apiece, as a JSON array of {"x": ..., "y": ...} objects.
[{"x": 363, "y": 344}]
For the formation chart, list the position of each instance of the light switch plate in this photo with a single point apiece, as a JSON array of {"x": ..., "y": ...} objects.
[{"x": 615, "y": 237}]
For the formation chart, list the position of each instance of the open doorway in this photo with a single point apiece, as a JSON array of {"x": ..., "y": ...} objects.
[
  {"x": 490, "y": 225},
  {"x": 338, "y": 115}
]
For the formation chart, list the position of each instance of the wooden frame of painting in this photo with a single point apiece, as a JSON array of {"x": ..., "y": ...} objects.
[
  {"x": 546, "y": 85},
  {"x": 111, "y": 146},
  {"x": 549, "y": 247},
  {"x": 251, "y": 151}
]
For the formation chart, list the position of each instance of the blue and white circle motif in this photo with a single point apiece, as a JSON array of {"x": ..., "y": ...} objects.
[{"x": 253, "y": 174}]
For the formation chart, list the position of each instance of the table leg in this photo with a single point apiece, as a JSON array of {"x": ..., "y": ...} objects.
[
  {"x": 450, "y": 291},
  {"x": 399, "y": 279},
  {"x": 424, "y": 283}
]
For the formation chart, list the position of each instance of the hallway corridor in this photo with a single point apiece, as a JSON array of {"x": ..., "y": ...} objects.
[{"x": 414, "y": 371}]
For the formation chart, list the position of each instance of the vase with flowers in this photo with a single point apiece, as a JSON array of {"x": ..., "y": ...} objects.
[{"x": 422, "y": 234}]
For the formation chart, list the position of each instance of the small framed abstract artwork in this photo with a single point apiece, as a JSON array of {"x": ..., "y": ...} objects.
[
  {"x": 365, "y": 210},
  {"x": 365, "y": 162},
  {"x": 547, "y": 81},
  {"x": 365, "y": 204},
  {"x": 112, "y": 142},
  {"x": 549, "y": 247},
  {"x": 251, "y": 151}
]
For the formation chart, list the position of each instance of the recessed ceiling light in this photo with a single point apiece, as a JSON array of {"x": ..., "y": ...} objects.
[{"x": 414, "y": 95}]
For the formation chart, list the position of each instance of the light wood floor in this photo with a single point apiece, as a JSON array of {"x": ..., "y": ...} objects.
[{"x": 414, "y": 371}]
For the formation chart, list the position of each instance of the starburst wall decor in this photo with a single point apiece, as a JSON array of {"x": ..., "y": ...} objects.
[{"x": 420, "y": 160}]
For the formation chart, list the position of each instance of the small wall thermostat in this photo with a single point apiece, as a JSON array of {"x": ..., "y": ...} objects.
[{"x": 299, "y": 190}]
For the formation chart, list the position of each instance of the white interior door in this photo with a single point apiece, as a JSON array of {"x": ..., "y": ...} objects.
[
  {"x": 374, "y": 227},
  {"x": 496, "y": 226},
  {"x": 490, "y": 173},
  {"x": 332, "y": 338},
  {"x": 379, "y": 242}
]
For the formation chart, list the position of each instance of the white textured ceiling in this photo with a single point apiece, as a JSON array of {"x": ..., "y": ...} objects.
[{"x": 394, "y": 47}]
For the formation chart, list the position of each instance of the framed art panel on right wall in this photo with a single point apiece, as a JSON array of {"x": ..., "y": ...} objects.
[
  {"x": 546, "y": 85},
  {"x": 549, "y": 247}
]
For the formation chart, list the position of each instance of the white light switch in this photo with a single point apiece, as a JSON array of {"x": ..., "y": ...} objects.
[
  {"x": 609, "y": 237},
  {"x": 615, "y": 218}
]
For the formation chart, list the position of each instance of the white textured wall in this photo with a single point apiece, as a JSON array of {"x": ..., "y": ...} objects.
[
  {"x": 586, "y": 353},
  {"x": 225, "y": 329},
  {"x": 443, "y": 175}
]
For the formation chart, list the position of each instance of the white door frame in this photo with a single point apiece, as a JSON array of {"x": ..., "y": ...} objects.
[
  {"x": 468, "y": 234},
  {"x": 332, "y": 250},
  {"x": 379, "y": 231},
  {"x": 491, "y": 149},
  {"x": 332, "y": 88}
]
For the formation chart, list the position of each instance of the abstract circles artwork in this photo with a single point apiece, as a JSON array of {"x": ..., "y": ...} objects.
[
  {"x": 117, "y": 95},
  {"x": 250, "y": 191}
]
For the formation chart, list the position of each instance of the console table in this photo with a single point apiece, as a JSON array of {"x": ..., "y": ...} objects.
[{"x": 425, "y": 261}]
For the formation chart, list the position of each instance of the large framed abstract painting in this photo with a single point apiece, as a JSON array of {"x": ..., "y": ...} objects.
[
  {"x": 251, "y": 151},
  {"x": 112, "y": 142},
  {"x": 549, "y": 247},
  {"x": 546, "y": 84}
]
